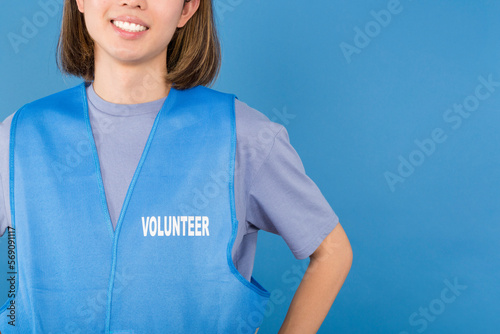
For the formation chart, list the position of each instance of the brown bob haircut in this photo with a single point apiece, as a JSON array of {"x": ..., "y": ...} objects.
[{"x": 193, "y": 53}]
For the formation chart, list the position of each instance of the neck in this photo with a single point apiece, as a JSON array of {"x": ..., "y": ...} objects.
[{"x": 124, "y": 83}]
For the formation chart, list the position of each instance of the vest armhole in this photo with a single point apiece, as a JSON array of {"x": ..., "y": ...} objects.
[{"x": 253, "y": 284}]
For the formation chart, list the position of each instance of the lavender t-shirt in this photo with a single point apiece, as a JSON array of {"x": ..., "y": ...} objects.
[{"x": 272, "y": 191}]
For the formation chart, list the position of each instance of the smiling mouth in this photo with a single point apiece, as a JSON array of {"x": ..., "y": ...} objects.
[{"x": 130, "y": 27}]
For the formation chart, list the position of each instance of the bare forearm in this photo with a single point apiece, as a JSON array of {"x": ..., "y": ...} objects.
[{"x": 320, "y": 285}]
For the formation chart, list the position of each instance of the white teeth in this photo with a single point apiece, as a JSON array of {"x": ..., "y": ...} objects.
[{"x": 130, "y": 27}]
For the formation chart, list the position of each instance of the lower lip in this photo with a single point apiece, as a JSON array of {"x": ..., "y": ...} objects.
[{"x": 128, "y": 34}]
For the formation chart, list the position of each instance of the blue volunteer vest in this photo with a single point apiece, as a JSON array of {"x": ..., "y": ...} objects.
[{"x": 167, "y": 268}]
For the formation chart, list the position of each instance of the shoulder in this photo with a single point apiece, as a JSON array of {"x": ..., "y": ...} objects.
[
  {"x": 253, "y": 127},
  {"x": 204, "y": 96},
  {"x": 256, "y": 137},
  {"x": 57, "y": 99},
  {"x": 58, "y": 96}
]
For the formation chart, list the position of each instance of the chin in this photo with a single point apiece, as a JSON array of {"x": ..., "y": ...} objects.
[{"x": 127, "y": 56}]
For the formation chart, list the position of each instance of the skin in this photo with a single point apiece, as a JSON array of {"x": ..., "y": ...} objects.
[
  {"x": 124, "y": 68},
  {"x": 325, "y": 275},
  {"x": 132, "y": 71}
]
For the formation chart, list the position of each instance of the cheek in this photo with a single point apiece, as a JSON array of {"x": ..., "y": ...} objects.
[
  {"x": 169, "y": 21},
  {"x": 94, "y": 20},
  {"x": 168, "y": 13}
]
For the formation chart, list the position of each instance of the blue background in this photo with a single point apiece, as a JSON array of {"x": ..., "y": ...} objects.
[{"x": 352, "y": 122}]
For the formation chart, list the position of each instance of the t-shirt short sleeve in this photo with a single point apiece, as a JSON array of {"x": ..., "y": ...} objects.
[{"x": 283, "y": 200}]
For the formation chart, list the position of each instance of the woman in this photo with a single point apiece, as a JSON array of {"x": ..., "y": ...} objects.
[{"x": 128, "y": 211}]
